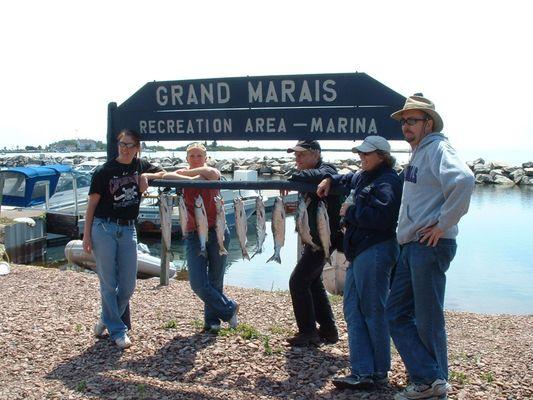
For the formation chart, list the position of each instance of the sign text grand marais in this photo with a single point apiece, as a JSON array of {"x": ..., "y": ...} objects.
[{"x": 270, "y": 106}]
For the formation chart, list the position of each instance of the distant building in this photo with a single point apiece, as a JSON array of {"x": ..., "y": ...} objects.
[{"x": 86, "y": 144}]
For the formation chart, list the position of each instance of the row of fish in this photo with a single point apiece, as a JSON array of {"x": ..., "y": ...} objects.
[{"x": 241, "y": 225}]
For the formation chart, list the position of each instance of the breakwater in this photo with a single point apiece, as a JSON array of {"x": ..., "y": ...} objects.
[{"x": 486, "y": 172}]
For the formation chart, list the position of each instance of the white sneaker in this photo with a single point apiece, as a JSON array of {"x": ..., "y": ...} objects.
[
  {"x": 99, "y": 328},
  {"x": 437, "y": 390},
  {"x": 123, "y": 342},
  {"x": 233, "y": 322}
]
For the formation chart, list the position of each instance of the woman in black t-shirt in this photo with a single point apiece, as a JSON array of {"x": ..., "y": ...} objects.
[{"x": 114, "y": 199}]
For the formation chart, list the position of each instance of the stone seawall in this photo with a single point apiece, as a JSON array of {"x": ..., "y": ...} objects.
[{"x": 486, "y": 172}]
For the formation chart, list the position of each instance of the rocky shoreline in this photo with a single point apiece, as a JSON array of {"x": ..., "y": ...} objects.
[
  {"x": 486, "y": 172},
  {"x": 47, "y": 349}
]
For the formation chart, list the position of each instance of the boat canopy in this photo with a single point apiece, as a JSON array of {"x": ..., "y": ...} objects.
[{"x": 26, "y": 186}]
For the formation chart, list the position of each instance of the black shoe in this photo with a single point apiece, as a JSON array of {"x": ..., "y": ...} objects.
[
  {"x": 330, "y": 335},
  {"x": 353, "y": 382},
  {"x": 380, "y": 379},
  {"x": 305, "y": 339}
]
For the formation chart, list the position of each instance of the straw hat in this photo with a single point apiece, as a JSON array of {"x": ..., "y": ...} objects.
[{"x": 422, "y": 104}]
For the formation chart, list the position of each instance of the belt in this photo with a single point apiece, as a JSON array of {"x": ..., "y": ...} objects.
[{"x": 121, "y": 221}]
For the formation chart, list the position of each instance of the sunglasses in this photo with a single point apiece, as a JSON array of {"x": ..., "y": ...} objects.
[
  {"x": 411, "y": 121},
  {"x": 127, "y": 145}
]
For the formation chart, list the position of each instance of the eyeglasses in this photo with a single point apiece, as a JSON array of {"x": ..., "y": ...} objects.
[
  {"x": 127, "y": 145},
  {"x": 411, "y": 121}
]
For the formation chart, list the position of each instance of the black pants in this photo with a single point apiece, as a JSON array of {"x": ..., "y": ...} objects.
[{"x": 309, "y": 298}]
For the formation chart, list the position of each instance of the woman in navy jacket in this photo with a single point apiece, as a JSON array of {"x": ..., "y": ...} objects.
[{"x": 371, "y": 247}]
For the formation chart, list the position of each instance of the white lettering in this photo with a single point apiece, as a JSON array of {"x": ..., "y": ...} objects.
[
  {"x": 179, "y": 126},
  {"x": 206, "y": 94},
  {"x": 372, "y": 128},
  {"x": 287, "y": 88},
  {"x": 170, "y": 126},
  {"x": 271, "y": 93},
  {"x": 151, "y": 126},
  {"x": 281, "y": 127},
  {"x": 305, "y": 93},
  {"x": 190, "y": 128},
  {"x": 249, "y": 127},
  {"x": 331, "y": 126},
  {"x": 223, "y": 87},
  {"x": 142, "y": 126},
  {"x": 161, "y": 95},
  {"x": 191, "y": 98},
  {"x": 176, "y": 92},
  {"x": 217, "y": 125},
  {"x": 360, "y": 125},
  {"x": 332, "y": 92},
  {"x": 342, "y": 125},
  {"x": 316, "y": 125},
  {"x": 161, "y": 126},
  {"x": 255, "y": 95}
]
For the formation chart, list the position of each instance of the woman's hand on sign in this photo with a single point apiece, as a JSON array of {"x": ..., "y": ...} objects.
[{"x": 323, "y": 187}]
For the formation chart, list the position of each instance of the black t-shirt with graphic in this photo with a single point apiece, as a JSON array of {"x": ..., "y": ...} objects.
[{"x": 118, "y": 186}]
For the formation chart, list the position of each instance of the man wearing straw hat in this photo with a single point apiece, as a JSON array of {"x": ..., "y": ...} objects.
[{"x": 436, "y": 194}]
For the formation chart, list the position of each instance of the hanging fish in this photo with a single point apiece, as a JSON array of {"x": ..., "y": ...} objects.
[
  {"x": 241, "y": 226},
  {"x": 260, "y": 224},
  {"x": 324, "y": 231},
  {"x": 302, "y": 224},
  {"x": 220, "y": 225},
  {"x": 201, "y": 224},
  {"x": 278, "y": 228},
  {"x": 184, "y": 215}
]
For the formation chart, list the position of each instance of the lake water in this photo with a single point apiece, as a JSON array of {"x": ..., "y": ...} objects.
[{"x": 491, "y": 273}]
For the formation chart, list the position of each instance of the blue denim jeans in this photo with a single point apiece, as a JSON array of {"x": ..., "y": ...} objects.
[
  {"x": 115, "y": 252},
  {"x": 366, "y": 290},
  {"x": 415, "y": 309},
  {"x": 206, "y": 276}
]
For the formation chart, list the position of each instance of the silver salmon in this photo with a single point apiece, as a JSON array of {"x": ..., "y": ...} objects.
[
  {"x": 278, "y": 229},
  {"x": 201, "y": 224},
  {"x": 260, "y": 224},
  {"x": 302, "y": 224},
  {"x": 324, "y": 232},
  {"x": 241, "y": 226},
  {"x": 184, "y": 215},
  {"x": 220, "y": 225}
]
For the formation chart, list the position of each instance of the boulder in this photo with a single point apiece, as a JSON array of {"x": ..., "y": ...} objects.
[
  {"x": 502, "y": 180},
  {"x": 528, "y": 164},
  {"x": 528, "y": 171},
  {"x": 481, "y": 169},
  {"x": 526, "y": 181},
  {"x": 517, "y": 175},
  {"x": 483, "y": 178}
]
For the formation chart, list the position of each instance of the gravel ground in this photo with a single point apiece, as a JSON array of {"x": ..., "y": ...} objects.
[{"x": 47, "y": 350}]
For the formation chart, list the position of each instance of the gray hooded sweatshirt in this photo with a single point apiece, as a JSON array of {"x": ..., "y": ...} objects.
[{"x": 437, "y": 189}]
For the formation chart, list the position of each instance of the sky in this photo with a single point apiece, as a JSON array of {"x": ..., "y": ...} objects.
[{"x": 64, "y": 61}]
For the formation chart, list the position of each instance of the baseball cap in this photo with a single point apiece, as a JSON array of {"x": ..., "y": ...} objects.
[
  {"x": 373, "y": 143},
  {"x": 303, "y": 145}
]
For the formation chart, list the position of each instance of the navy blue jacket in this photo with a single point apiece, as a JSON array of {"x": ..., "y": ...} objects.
[
  {"x": 315, "y": 175},
  {"x": 374, "y": 216}
]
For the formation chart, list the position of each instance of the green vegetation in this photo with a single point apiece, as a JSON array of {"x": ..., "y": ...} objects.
[
  {"x": 81, "y": 386},
  {"x": 141, "y": 390},
  {"x": 487, "y": 377},
  {"x": 459, "y": 377},
  {"x": 172, "y": 324}
]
